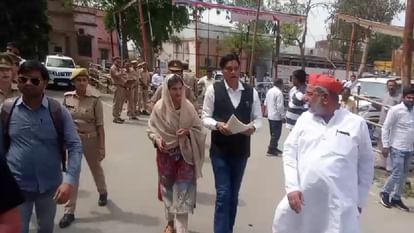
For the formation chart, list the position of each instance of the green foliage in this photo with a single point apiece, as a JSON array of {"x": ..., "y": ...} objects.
[
  {"x": 381, "y": 47},
  {"x": 376, "y": 10},
  {"x": 165, "y": 18},
  {"x": 290, "y": 33},
  {"x": 238, "y": 41},
  {"x": 26, "y": 23}
]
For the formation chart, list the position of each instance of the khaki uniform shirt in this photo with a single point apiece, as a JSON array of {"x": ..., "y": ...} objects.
[
  {"x": 130, "y": 78},
  {"x": 145, "y": 79},
  {"x": 13, "y": 92},
  {"x": 86, "y": 112},
  {"x": 117, "y": 76},
  {"x": 190, "y": 81}
]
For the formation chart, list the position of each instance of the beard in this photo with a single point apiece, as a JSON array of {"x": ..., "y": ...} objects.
[{"x": 316, "y": 107}]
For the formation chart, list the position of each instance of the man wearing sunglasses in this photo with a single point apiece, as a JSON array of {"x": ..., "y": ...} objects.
[
  {"x": 7, "y": 90},
  {"x": 33, "y": 148}
]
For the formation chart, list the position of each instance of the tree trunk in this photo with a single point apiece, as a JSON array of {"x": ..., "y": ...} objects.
[
  {"x": 364, "y": 58},
  {"x": 302, "y": 55},
  {"x": 302, "y": 43},
  {"x": 124, "y": 36}
]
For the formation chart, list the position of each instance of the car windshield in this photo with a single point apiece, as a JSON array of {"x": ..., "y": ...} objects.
[
  {"x": 371, "y": 89},
  {"x": 59, "y": 62},
  {"x": 218, "y": 77}
]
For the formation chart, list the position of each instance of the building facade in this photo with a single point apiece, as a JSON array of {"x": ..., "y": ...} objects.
[
  {"x": 182, "y": 46},
  {"x": 79, "y": 32}
]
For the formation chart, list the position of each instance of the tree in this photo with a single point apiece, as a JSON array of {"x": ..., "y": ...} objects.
[
  {"x": 242, "y": 38},
  {"x": 164, "y": 19},
  {"x": 295, "y": 34},
  {"x": 376, "y": 10},
  {"x": 26, "y": 23}
]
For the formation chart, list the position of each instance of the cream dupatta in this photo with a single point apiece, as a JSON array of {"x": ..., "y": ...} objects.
[{"x": 165, "y": 120}]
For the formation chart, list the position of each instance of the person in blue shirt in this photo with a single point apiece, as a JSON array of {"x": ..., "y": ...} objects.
[{"x": 34, "y": 154}]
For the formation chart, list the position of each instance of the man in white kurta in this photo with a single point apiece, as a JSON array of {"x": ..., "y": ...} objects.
[{"x": 328, "y": 164}]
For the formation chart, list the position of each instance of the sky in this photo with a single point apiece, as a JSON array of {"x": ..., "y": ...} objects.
[{"x": 316, "y": 24}]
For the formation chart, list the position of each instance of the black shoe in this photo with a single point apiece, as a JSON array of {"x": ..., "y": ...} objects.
[
  {"x": 400, "y": 205},
  {"x": 66, "y": 220},
  {"x": 279, "y": 151},
  {"x": 385, "y": 199},
  {"x": 118, "y": 121},
  {"x": 145, "y": 113},
  {"x": 268, "y": 154},
  {"x": 103, "y": 199}
]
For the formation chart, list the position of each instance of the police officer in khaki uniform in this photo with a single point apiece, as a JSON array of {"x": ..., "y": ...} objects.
[
  {"x": 16, "y": 63},
  {"x": 130, "y": 89},
  {"x": 85, "y": 107},
  {"x": 145, "y": 80},
  {"x": 175, "y": 67},
  {"x": 190, "y": 79},
  {"x": 119, "y": 81},
  {"x": 133, "y": 77},
  {"x": 7, "y": 89},
  {"x": 137, "y": 74}
]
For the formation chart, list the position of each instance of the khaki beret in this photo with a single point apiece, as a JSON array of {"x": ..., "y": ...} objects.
[
  {"x": 79, "y": 72},
  {"x": 16, "y": 59},
  {"x": 6, "y": 61},
  {"x": 175, "y": 65}
]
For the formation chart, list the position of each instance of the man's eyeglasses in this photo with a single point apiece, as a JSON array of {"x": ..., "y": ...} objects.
[{"x": 34, "y": 81}]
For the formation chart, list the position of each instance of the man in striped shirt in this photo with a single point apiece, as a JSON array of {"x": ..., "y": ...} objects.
[{"x": 297, "y": 104}]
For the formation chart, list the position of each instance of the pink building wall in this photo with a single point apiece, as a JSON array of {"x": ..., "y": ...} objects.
[
  {"x": 78, "y": 29},
  {"x": 91, "y": 22}
]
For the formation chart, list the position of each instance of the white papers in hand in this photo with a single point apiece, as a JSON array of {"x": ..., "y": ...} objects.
[{"x": 236, "y": 126}]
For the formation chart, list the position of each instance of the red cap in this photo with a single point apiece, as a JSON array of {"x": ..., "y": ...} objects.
[{"x": 326, "y": 81}]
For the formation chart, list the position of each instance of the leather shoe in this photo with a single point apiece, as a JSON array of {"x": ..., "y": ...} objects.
[
  {"x": 118, "y": 121},
  {"x": 103, "y": 199},
  {"x": 66, "y": 220}
]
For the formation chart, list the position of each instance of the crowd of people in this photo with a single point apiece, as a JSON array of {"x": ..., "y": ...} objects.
[{"x": 328, "y": 158}]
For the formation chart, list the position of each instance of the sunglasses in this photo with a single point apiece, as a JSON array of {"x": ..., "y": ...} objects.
[{"x": 34, "y": 81}]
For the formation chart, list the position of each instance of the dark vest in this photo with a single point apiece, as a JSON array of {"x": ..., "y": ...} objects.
[{"x": 237, "y": 144}]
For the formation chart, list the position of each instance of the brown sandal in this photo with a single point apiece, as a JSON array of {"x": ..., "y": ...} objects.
[{"x": 169, "y": 229}]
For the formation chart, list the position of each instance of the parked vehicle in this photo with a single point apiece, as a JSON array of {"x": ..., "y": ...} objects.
[{"x": 60, "y": 69}]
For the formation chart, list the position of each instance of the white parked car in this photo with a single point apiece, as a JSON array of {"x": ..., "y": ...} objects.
[
  {"x": 374, "y": 88},
  {"x": 218, "y": 75},
  {"x": 60, "y": 69}
]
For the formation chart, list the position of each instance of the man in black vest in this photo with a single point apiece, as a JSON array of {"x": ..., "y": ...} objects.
[{"x": 229, "y": 152}]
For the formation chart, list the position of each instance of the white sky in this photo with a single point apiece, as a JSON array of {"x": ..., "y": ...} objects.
[{"x": 316, "y": 23}]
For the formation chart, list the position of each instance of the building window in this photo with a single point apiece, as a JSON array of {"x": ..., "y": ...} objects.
[
  {"x": 85, "y": 46},
  {"x": 57, "y": 49},
  {"x": 104, "y": 54}
]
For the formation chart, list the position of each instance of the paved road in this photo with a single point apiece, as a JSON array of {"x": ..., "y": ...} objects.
[{"x": 132, "y": 182}]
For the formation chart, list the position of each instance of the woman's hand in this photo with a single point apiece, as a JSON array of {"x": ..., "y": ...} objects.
[
  {"x": 182, "y": 132},
  {"x": 101, "y": 154},
  {"x": 161, "y": 145}
]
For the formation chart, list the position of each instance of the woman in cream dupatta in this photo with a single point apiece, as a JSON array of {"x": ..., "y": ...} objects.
[{"x": 177, "y": 133}]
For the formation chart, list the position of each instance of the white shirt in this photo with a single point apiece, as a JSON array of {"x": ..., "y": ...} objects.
[
  {"x": 398, "y": 128},
  {"x": 205, "y": 83},
  {"x": 353, "y": 86},
  {"x": 157, "y": 80},
  {"x": 332, "y": 164},
  {"x": 275, "y": 104},
  {"x": 235, "y": 96}
]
